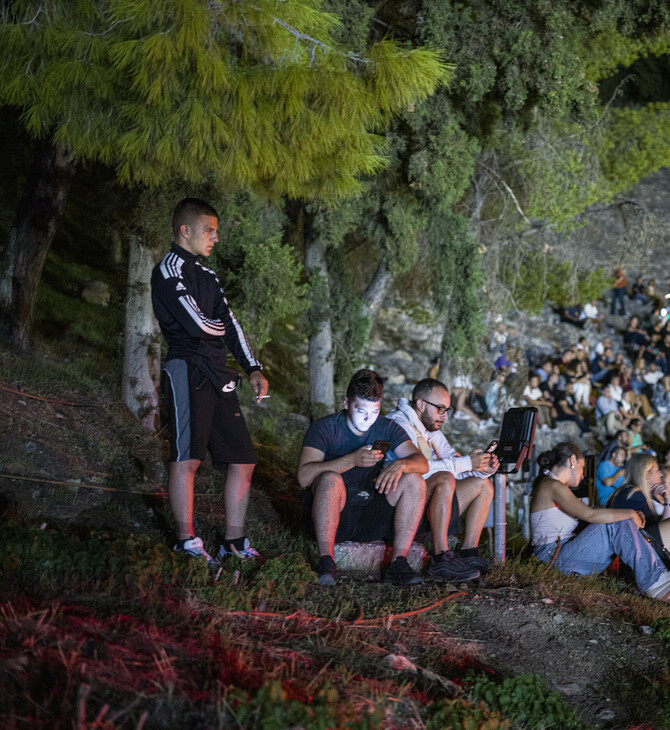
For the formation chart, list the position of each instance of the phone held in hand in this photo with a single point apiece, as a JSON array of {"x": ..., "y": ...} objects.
[
  {"x": 382, "y": 446},
  {"x": 491, "y": 447}
]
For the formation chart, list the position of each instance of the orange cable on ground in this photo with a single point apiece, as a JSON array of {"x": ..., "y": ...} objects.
[
  {"x": 356, "y": 622},
  {"x": 52, "y": 400}
]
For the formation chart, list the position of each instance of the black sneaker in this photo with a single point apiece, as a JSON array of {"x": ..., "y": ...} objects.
[
  {"x": 446, "y": 567},
  {"x": 473, "y": 558},
  {"x": 327, "y": 571},
  {"x": 400, "y": 573}
]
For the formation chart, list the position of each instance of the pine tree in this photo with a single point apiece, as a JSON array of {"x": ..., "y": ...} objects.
[{"x": 255, "y": 94}]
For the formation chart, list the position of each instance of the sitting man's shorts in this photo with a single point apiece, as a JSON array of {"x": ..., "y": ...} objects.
[
  {"x": 366, "y": 516},
  {"x": 201, "y": 420}
]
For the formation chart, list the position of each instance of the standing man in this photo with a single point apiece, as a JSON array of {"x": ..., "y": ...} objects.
[
  {"x": 204, "y": 411},
  {"x": 455, "y": 485},
  {"x": 348, "y": 493}
]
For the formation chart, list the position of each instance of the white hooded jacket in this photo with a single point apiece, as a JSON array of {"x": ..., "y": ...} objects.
[{"x": 449, "y": 459}]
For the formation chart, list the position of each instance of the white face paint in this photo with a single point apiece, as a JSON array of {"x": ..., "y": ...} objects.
[{"x": 361, "y": 414}]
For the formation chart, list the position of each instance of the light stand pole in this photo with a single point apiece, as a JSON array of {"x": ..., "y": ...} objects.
[{"x": 499, "y": 516}]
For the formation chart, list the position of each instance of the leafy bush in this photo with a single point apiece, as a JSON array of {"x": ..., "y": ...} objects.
[
  {"x": 271, "y": 708},
  {"x": 526, "y": 699}
]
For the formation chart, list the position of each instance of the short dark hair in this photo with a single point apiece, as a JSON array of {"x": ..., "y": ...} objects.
[
  {"x": 188, "y": 210},
  {"x": 615, "y": 451},
  {"x": 425, "y": 386},
  {"x": 559, "y": 455},
  {"x": 365, "y": 384}
]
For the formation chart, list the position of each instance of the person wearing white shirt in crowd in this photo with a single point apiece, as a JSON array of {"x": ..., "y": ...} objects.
[
  {"x": 653, "y": 374},
  {"x": 461, "y": 387},
  {"x": 533, "y": 396},
  {"x": 590, "y": 313}
]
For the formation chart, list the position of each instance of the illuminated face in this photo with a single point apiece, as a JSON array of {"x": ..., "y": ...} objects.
[
  {"x": 200, "y": 237},
  {"x": 435, "y": 411},
  {"x": 361, "y": 414}
]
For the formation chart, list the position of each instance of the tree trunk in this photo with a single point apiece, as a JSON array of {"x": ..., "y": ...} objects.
[
  {"x": 320, "y": 345},
  {"x": 40, "y": 208},
  {"x": 141, "y": 352},
  {"x": 375, "y": 293}
]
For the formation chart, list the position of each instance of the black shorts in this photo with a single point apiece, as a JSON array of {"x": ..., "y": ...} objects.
[
  {"x": 366, "y": 522},
  {"x": 201, "y": 420}
]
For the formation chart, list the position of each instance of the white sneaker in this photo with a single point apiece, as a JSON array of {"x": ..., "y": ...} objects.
[
  {"x": 246, "y": 552},
  {"x": 193, "y": 547}
]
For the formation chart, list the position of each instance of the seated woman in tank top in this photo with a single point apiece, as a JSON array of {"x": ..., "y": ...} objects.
[{"x": 556, "y": 513}]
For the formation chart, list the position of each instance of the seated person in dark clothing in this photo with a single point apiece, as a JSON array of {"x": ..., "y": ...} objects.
[
  {"x": 568, "y": 410},
  {"x": 635, "y": 339},
  {"x": 654, "y": 352},
  {"x": 602, "y": 365},
  {"x": 348, "y": 492},
  {"x": 571, "y": 315},
  {"x": 640, "y": 291},
  {"x": 644, "y": 490}
]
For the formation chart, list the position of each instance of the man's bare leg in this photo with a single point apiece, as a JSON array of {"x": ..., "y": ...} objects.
[
  {"x": 409, "y": 500},
  {"x": 474, "y": 500},
  {"x": 180, "y": 492},
  {"x": 439, "y": 497},
  {"x": 236, "y": 497},
  {"x": 330, "y": 496}
]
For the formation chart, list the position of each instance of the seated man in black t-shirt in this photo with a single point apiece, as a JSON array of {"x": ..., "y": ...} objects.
[{"x": 348, "y": 492}]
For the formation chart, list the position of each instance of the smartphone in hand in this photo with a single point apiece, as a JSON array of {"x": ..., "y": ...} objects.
[
  {"x": 491, "y": 447},
  {"x": 382, "y": 446}
]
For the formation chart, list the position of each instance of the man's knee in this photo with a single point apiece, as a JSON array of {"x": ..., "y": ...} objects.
[
  {"x": 413, "y": 485},
  {"x": 329, "y": 484},
  {"x": 487, "y": 489}
]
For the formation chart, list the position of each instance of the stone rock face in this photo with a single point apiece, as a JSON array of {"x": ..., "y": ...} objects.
[{"x": 96, "y": 292}]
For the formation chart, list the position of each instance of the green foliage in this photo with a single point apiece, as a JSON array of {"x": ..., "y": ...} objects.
[
  {"x": 460, "y": 715},
  {"x": 283, "y": 577},
  {"x": 661, "y": 627},
  {"x": 266, "y": 287},
  {"x": 526, "y": 699},
  {"x": 538, "y": 277},
  {"x": 610, "y": 49},
  {"x": 636, "y": 143},
  {"x": 456, "y": 267},
  {"x": 256, "y": 94},
  {"x": 270, "y": 708}
]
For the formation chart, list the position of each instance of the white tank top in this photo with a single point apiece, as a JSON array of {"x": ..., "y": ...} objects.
[{"x": 548, "y": 525}]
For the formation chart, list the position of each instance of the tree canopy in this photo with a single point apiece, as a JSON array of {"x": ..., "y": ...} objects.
[{"x": 254, "y": 93}]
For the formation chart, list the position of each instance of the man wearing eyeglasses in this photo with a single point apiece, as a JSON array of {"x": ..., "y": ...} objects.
[{"x": 455, "y": 485}]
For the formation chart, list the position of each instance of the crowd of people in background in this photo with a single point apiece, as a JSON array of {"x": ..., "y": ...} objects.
[{"x": 616, "y": 383}]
